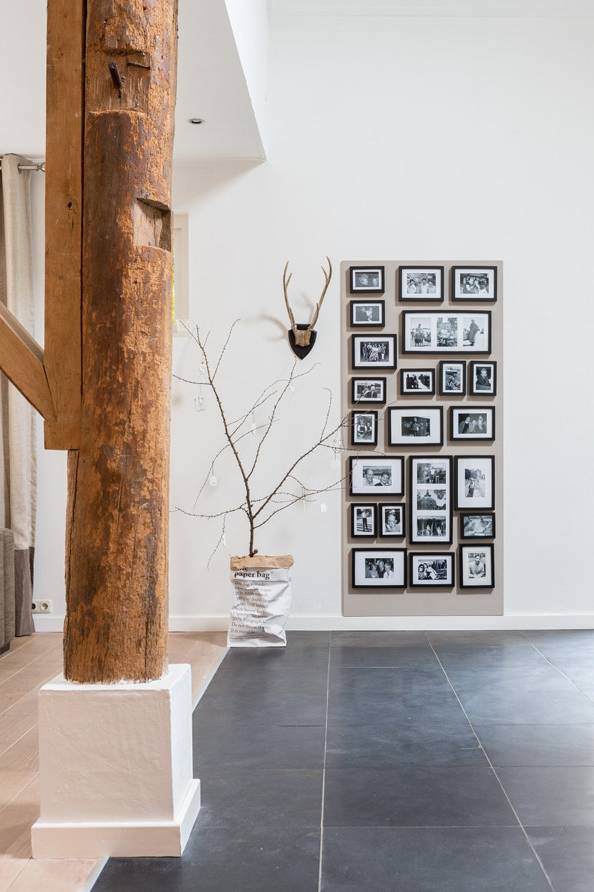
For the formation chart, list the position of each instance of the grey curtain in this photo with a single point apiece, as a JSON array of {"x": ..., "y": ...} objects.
[{"x": 18, "y": 457}]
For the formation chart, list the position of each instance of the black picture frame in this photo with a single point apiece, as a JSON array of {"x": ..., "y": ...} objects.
[
  {"x": 358, "y": 363},
  {"x": 480, "y": 272},
  {"x": 382, "y": 509},
  {"x": 432, "y": 460},
  {"x": 371, "y": 402},
  {"x": 467, "y": 515},
  {"x": 357, "y": 508},
  {"x": 442, "y": 371},
  {"x": 450, "y": 349},
  {"x": 355, "y": 304},
  {"x": 474, "y": 367},
  {"x": 403, "y": 293},
  {"x": 413, "y": 411},
  {"x": 360, "y": 464},
  {"x": 415, "y": 391},
  {"x": 489, "y": 504},
  {"x": 465, "y": 553},
  {"x": 471, "y": 412},
  {"x": 398, "y": 555},
  {"x": 431, "y": 556},
  {"x": 355, "y": 421},
  {"x": 356, "y": 274}
]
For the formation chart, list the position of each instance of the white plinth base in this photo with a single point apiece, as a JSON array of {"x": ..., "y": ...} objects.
[
  {"x": 124, "y": 840},
  {"x": 116, "y": 768}
]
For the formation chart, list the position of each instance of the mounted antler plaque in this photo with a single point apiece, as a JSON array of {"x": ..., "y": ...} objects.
[{"x": 303, "y": 337}]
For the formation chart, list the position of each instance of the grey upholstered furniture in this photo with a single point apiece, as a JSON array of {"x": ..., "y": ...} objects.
[{"x": 7, "y": 603}]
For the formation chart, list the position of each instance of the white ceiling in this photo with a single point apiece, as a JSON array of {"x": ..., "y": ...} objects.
[
  {"x": 211, "y": 83},
  {"x": 515, "y": 8}
]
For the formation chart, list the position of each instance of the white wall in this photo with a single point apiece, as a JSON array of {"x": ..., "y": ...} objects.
[{"x": 400, "y": 138}]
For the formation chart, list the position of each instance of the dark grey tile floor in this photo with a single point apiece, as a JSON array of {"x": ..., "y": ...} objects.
[{"x": 379, "y": 761}]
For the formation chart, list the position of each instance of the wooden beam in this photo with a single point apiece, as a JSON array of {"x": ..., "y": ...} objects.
[
  {"x": 21, "y": 360},
  {"x": 63, "y": 217},
  {"x": 118, "y": 503}
]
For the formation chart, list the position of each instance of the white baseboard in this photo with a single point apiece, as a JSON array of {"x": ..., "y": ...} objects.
[{"x": 335, "y": 622}]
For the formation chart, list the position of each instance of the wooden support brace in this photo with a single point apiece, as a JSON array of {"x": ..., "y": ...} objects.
[
  {"x": 66, "y": 21},
  {"x": 22, "y": 363}
]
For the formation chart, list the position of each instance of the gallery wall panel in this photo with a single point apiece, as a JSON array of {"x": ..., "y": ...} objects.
[{"x": 422, "y": 384}]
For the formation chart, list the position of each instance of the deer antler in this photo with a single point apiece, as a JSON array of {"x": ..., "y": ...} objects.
[
  {"x": 285, "y": 287},
  {"x": 303, "y": 336},
  {"x": 327, "y": 277}
]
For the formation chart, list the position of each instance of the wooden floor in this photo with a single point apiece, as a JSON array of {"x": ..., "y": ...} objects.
[{"x": 29, "y": 664}]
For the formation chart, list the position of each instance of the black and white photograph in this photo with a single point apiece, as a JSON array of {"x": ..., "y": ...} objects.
[
  {"x": 378, "y": 568},
  {"x": 452, "y": 378},
  {"x": 415, "y": 426},
  {"x": 367, "y": 279},
  {"x": 474, "y": 283},
  {"x": 374, "y": 351},
  {"x": 434, "y": 331},
  {"x": 364, "y": 428},
  {"x": 421, "y": 283},
  {"x": 472, "y": 423},
  {"x": 430, "y": 499},
  {"x": 391, "y": 521},
  {"x": 431, "y": 569},
  {"x": 483, "y": 378},
  {"x": 363, "y": 521},
  {"x": 417, "y": 381},
  {"x": 367, "y": 313},
  {"x": 380, "y": 475},
  {"x": 477, "y": 566},
  {"x": 368, "y": 390},
  {"x": 475, "y": 482},
  {"x": 477, "y": 526}
]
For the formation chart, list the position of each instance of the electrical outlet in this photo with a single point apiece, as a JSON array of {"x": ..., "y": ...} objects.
[{"x": 42, "y": 606}]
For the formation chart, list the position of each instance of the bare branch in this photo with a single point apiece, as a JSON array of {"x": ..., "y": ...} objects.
[
  {"x": 307, "y": 496},
  {"x": 214, "y": 374}
]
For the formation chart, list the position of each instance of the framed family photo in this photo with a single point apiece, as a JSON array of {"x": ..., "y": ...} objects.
[
  {"x": 367, "y": 313},
  {"x": 363, "y": 521},
  {"x": 364, "y": 428},
  {"x": 474, "y": 283},
  {"x": 477, "y": 566},
  {"x": 391, "y": 520},
  {"x": 483, "y": 378},
  {"x": 417, "y": 381},
  {"x": 368, "y": 390},
  {"x": 378, "y": 568},
  {"x": 430, "y": 495},
  {"x": 472, "y": 423},
  {"x": 475, "y": 482},
  {"x": 373, "y": 351},
  {"x": 452, "y": 377},
  {"x": 366, "y": 280},
  {"x": 415, "y": 426},
  {"x": 434, "y": 331},
  {"x": 380, "y": 475},
  {"x": 431, "y": 569},
  {"x": 421, "y": 283},
  {"x": 477, "y": 526}
]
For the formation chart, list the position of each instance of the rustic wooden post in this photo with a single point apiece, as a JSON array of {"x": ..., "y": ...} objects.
[{"x": 117, "y": 536}]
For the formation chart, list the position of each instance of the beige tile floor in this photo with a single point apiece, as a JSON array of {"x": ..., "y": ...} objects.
[{"x": 30, "y": 663}]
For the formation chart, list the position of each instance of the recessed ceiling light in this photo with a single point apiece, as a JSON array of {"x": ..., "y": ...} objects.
[{"x": 195, "y": 120}]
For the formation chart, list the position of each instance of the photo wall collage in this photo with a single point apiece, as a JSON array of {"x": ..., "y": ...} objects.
[{"x": 422, "y": 370}]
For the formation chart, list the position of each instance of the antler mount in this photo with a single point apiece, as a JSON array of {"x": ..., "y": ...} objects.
[{"x": 302, "y": 337}]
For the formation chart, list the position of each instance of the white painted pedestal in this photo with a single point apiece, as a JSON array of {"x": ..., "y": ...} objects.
[{"x": 116, "y": 768}]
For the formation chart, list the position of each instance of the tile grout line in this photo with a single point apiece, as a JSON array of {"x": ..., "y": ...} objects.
[
  {"x": 324, "y": 766},
  {"x": 560, "y": 671},
  {"x": 503, "y": 790}
]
